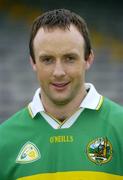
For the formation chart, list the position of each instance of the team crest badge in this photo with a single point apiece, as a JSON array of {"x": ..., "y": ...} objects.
[
  {"x": 28, "y": 153},
  {"x": 99, "y": 151}
]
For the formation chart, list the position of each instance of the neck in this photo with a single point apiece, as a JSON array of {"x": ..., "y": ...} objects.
[{"x": 63, "y": 111}]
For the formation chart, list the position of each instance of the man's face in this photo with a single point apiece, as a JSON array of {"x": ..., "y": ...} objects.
[{"x": 60, "y": 64}]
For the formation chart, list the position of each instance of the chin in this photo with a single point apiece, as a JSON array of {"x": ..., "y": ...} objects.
[{"x": 61, "y": 101}]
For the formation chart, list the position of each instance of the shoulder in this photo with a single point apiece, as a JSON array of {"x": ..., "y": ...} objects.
[
  {"x": 8, "y": 127},
  {"x": 112, "y": 113},
  {"x": 13, "y": 130},
  {"x": 111, "y": 107},
  {"x": 14, "y": 118}
]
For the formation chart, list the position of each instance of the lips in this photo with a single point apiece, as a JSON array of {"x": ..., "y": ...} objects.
[{"x": 60, "y": 86}]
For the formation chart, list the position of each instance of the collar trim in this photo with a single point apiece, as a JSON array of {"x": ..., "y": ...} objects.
[{"x": 100, "y": 103}]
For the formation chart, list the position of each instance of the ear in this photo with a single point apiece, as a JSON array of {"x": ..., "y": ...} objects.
[
  {"x": 33, "y": 64},
  {"x": 90, "y": 60}
]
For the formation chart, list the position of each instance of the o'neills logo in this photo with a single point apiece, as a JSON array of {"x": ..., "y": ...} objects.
[
  {"x": 61, "y": 139},
  {"x": 99, "y": 150}
]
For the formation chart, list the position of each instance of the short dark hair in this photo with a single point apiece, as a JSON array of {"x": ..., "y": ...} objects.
[{"x": 61, "y": 18}]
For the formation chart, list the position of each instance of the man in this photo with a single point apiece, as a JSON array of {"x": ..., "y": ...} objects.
[{"x": 69, "y": 130}]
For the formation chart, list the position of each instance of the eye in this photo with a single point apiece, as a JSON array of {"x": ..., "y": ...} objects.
[
  {"x": 70, "y": 59},
  {"x": 47, "y": 60}
]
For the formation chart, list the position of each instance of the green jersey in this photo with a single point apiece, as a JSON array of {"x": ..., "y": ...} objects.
[{"x": 89, "y": 148}]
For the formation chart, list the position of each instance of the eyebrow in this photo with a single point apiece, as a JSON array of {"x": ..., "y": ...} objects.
[
  {"x": 45, "y": 56},
  {"x": 71, "y": 54}
]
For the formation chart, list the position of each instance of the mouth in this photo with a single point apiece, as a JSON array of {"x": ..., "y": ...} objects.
[{"x": 60, "y": 86}]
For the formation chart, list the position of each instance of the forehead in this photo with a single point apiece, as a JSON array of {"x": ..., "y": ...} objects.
[{"x": 58, "y": 38}]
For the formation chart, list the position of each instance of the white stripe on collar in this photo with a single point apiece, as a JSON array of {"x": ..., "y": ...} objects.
[{"x": 93, "y": 100}]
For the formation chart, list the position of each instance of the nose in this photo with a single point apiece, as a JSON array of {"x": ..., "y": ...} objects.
[{"x": 59, "y": 69}]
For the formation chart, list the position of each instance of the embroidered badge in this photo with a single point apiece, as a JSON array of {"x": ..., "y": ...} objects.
[
  {"x": 28, "y": 153},
  {"x": 99, "y": 151}
]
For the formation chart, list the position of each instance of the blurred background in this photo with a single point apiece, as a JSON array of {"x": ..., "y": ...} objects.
[{"x": 17, "y": 80}]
